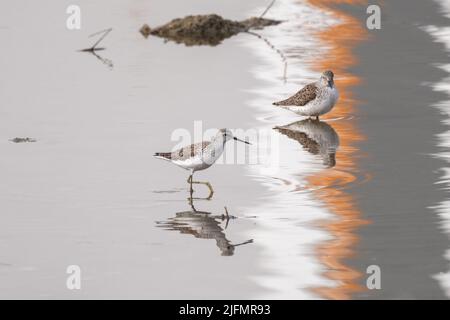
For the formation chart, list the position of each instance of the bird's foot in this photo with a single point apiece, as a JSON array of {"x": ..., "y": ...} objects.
[{"x": 211, "y": 190}]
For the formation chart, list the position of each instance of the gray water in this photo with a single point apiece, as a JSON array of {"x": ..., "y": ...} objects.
[{"x": 89, "y": 193}]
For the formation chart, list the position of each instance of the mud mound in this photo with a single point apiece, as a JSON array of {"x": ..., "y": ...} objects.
[{"x": 209, "y": 29}]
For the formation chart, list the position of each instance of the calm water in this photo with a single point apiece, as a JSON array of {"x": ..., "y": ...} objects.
[{"x": 315, "y": 204}]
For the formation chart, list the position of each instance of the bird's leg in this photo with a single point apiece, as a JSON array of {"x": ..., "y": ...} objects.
[
  {"x": 211, "y": 191},
  {"x": 191, "y": 181},
  {"x": 191, "y": 190}
]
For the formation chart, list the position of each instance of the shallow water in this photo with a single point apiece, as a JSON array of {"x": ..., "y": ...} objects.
[{"x": 312, "y": 208}]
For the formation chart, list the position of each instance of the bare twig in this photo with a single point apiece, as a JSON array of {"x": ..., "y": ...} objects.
[
  {"x": 94, "y": 46},
  {"x": 105, "y": 33},
  {"x": 227, "y": 217},
  {"x": 267, "y": 9},
  {"x": 242, "y": 243},
  {"x": 105, "y": 61}
]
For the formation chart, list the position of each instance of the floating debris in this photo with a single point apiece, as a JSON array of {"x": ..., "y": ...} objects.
[
  {"x": 22, "y": 140},
  {"x": 209, "y": 29}
]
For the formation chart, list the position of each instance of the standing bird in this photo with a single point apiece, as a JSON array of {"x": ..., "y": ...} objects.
[
  {"x": 200, "y": 156},
  {"x": 315, "y": 99}
]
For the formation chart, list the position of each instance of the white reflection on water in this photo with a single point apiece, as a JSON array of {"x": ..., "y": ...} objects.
[
  {"x": 288, "y": 220},
  {"x": 442, "y": 34}
]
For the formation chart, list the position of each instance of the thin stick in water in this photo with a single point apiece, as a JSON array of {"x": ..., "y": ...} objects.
[
  {"x": 105, "y": 33},
  {"x": 267, "y": 9},
  {"x": 94, "y": 46}
]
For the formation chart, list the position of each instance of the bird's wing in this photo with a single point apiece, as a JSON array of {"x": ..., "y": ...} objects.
[
  {"x": 185, "y": 152},
  {"x": 305, "y": 95}
]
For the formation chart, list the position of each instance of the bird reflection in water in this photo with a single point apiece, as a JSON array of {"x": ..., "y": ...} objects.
[
  {"x": 316, "y": 137},
  {"x": 203, "y": 225}
]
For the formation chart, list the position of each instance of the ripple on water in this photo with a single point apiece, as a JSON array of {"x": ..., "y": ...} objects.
[{"x": 308, "y": 164}]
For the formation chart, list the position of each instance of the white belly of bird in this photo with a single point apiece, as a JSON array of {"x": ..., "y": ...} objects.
[
  {"x": 323, "y": 103},
  {"x": 201, "y": 161}
]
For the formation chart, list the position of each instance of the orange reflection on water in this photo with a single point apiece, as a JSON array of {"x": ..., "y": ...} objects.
[{"x": 341, "y": 40}]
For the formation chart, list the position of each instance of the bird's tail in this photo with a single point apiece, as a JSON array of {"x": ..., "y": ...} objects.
[
  {"x": 281, "y": 103},
  {"x": 163, "y": 155}
]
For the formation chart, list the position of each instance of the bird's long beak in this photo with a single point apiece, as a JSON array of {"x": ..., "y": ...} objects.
[{"x": 241, "y": 140}]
